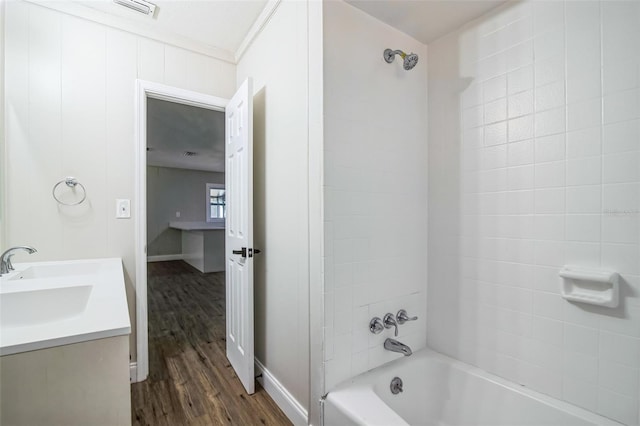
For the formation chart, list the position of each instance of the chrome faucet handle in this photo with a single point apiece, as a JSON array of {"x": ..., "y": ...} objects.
[
  {"x": 376, "y": 326},
  {"x": 390, "y": 321},
  {"x": 402, "y": 317}
]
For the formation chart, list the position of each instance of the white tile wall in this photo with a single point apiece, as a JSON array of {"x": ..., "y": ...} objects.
[
  {"x": 70, "y": 91},
  {"x": 554, "y": 180},
  {"x": 375, "y": 189}
]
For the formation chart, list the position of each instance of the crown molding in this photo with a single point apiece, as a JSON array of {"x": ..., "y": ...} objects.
[
  {"x": 135, "y": 27},
  {"x": 260, "y": 22}
]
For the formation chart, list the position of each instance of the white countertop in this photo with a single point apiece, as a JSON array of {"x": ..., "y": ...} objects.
[
  {"x": 197, "y": 226},
  {"x": 104, "y": 314}
]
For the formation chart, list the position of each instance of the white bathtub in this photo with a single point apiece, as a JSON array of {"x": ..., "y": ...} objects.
[{"x": 439, "y": 390}]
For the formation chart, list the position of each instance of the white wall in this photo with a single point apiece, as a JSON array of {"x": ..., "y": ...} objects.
[
  {"x": 70, "y": 88},
  {"x": 2, "y": 136},
  {"x": 171, "y": 190},
  {"x": 534, "y": 137},
  {"x": 277, "y": 61},
  {"x": 375, "y": 190}
]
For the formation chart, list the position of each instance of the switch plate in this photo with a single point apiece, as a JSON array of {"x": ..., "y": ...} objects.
[{"x": 123, "y": 209}]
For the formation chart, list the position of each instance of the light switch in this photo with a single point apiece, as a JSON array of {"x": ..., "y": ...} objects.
[
  {"x": 123, "y": 209},
  {"x": 177, "y": 214}
]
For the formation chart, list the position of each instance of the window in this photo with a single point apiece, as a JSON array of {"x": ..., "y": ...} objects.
[{"x": 216, "y": 202}]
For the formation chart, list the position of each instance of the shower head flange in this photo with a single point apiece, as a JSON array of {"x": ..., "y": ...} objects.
[{"x": 390, "y": 55}]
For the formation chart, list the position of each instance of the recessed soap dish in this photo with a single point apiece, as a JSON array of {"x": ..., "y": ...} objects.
[{"x": 593, "y": 286}]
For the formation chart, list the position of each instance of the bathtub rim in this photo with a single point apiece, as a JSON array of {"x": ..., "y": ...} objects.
[{"x": 360, "y": 382}]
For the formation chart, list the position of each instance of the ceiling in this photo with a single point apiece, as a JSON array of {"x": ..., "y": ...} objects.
[
  {"x": 221, "y": 24},
  {"x": 425, "y": 20},
  {"x": 174, "y": 128},
  {"x": 218, "y": 27}
]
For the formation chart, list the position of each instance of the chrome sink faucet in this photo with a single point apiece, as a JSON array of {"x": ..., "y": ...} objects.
[
  {"x": 395, "y": 346},
  {"x": 5, "y": 259}
]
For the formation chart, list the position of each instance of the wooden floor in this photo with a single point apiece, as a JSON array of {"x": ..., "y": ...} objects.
[{"x": 190, "y": 379}]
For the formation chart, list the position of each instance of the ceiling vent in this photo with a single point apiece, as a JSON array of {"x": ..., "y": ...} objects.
[
  {"x": 141, "y": 6},
  {"x": 189, "y": 153}
]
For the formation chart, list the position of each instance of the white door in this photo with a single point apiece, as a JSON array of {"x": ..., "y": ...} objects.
[{"x": 239, "y": 233}]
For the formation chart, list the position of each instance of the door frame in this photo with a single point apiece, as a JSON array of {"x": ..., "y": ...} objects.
[{"x": 148, "y": 89}]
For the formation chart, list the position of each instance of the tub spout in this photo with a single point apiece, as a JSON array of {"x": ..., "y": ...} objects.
[{"x": 395, "y": 346}]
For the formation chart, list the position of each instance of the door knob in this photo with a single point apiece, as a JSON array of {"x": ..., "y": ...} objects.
[{"x": 242, "y": 252}]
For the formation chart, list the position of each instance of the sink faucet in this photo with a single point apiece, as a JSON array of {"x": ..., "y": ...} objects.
[
  {"x": 395, "y": 346},
  {"x": 5, "y": 259}
]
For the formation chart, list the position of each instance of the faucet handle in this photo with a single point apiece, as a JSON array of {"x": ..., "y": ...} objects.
[
  {"x": 390, "y": 321},
  {"x": 376, "y": 326},
  {"x": 402, "y": 317}
]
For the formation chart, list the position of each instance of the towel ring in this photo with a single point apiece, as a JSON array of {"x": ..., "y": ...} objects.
[{"x": 71, "y": 182}]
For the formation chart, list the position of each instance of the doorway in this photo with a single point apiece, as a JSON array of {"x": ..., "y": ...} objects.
[
  {"x": 185, "y": 366},
  {"x": 156, "y": 92},
  {"x": 185, "y": 250}
]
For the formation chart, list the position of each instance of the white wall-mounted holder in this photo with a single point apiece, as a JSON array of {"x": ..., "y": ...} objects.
[{"x": 592, "y": 286}]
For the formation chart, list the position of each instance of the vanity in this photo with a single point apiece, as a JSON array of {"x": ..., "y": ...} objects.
[
  {"x": 64, "y": 344},
  {"x": 202, "y": 244}
]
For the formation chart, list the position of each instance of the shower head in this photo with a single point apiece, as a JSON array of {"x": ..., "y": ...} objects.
[{"x": 409, "y": 62}]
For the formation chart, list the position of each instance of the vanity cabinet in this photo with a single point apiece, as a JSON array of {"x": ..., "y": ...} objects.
[
  {"x": 84, "y": 383},
  {"x": 64, "y": 344}
]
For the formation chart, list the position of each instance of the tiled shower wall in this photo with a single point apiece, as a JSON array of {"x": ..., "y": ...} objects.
[
  {"x": 534, "y": 163},
  {"x": 375, "y": 190}
]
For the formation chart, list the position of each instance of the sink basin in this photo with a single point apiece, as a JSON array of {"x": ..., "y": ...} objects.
[
  {"x": 56, "y": 303},
  {"x": 55, "y": 271},
  {"x": 32, "y": 307}
]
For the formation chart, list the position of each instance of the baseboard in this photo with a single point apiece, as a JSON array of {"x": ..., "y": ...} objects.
[
  {"x": 281, "y": 396},
  {"x": 165, "y": 257},
  {"x": 133, "y": 372}
]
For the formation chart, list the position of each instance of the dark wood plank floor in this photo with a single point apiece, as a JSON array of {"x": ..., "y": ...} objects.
[{"x": 190, "y": 379}]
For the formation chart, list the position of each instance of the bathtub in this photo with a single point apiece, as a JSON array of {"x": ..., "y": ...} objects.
[{"x": 439, "y": 391}]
